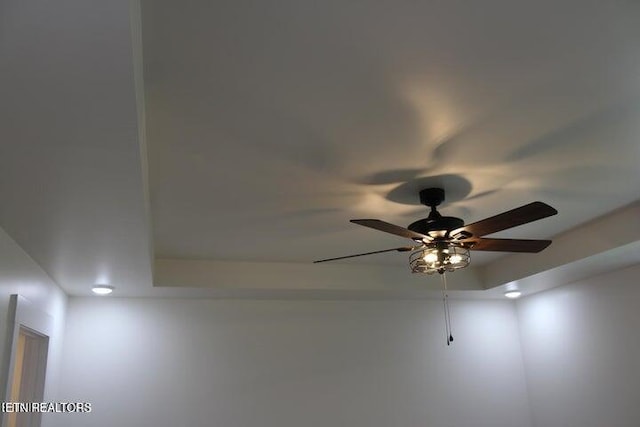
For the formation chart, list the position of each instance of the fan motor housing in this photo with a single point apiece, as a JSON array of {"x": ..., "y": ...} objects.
[{"x": 444, "y": 223}]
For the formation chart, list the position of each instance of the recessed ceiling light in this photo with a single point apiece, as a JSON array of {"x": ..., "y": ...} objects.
[
  {"x": 512, "y": 294},
  {"x": 102, "y": 289}
]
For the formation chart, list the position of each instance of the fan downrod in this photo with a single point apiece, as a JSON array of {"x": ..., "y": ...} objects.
[{"x": 432, "y": 197}]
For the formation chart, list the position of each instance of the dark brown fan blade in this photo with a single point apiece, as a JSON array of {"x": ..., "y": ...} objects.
[
  {"x": 518, "y": 216},
  {"x": 507, "y": 245},
  {"x": 403, "y": 249},
  {"x": 376, "y": 224}
]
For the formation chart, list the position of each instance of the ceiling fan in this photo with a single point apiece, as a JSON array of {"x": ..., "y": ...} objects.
[{"x": 443, "y": 242}]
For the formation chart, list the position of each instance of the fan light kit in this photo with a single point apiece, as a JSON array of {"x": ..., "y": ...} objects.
[
  {"x": 443, "y": 243},
  {"x": 443, "y": 257}
]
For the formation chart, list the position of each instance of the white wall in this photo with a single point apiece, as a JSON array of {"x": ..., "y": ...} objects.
[
  {"x": 581, "y": 345},
  {"x": 154, "y": 362},
  {"x": 19, "y": 274}
]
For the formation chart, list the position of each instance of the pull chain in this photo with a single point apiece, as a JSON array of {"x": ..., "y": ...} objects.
[{"x": 445, "y": 303}]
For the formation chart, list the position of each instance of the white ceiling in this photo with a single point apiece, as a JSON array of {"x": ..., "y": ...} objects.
[{"x": 266, "y": 127}]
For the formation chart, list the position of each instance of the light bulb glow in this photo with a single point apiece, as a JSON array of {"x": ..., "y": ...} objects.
[
  {"x": 102, "y": 289},
  {"x": 431, "y": 257},
  {"x": 455, "y": 258},
  {"x": 512, "y": 294}
]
